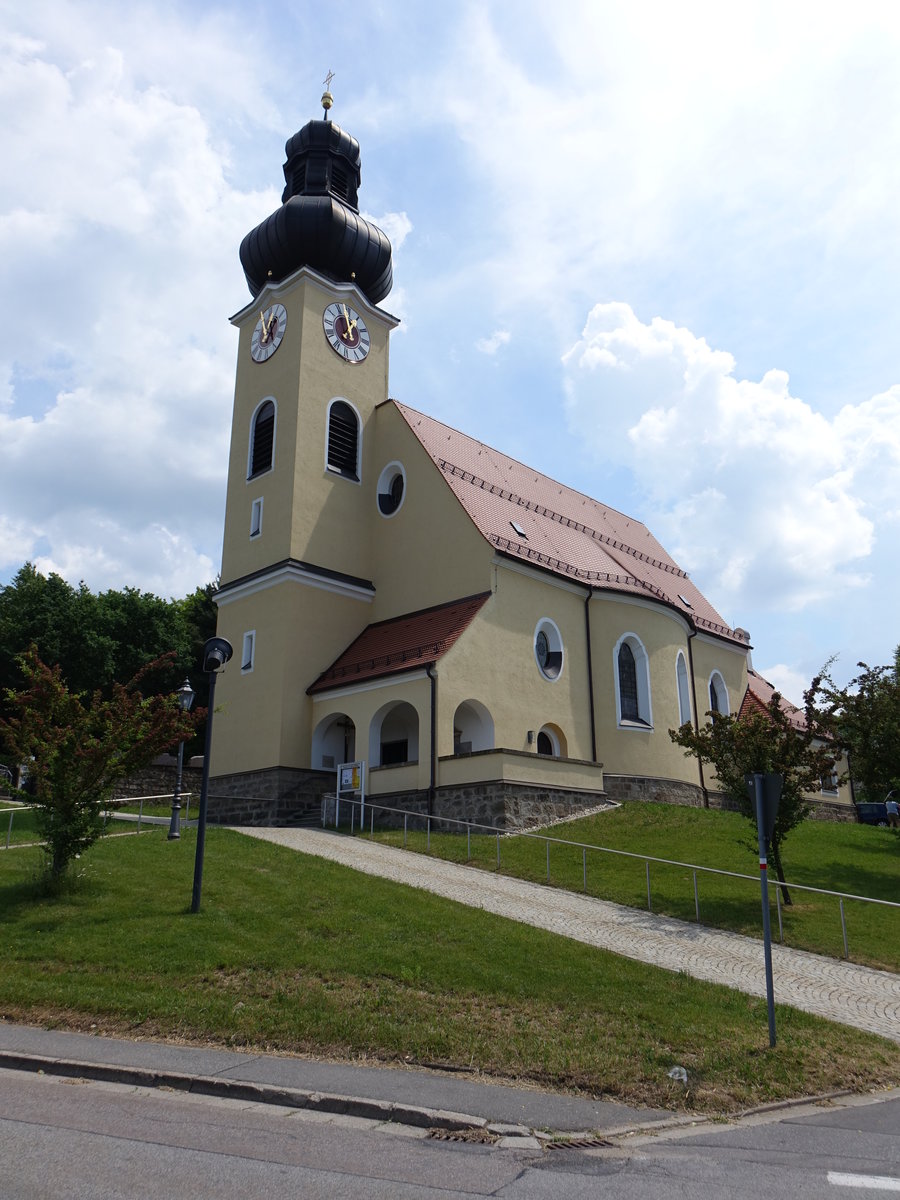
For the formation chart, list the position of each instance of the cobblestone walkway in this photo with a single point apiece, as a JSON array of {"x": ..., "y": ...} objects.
[{"x": 840, "y": 991}]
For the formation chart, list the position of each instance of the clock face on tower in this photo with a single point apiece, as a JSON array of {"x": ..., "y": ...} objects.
[
  {"x": 346, "y": 332},
  {"x": 268, "y": 333}
]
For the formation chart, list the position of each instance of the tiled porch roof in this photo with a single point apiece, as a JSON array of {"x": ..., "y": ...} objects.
[{"x": 404, "y": 643}]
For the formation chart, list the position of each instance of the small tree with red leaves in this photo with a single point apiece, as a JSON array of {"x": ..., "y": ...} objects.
[{"x": 77, "y": 748}]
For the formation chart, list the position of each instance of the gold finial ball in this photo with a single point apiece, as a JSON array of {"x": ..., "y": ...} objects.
[{"x": 327, "y": 100}]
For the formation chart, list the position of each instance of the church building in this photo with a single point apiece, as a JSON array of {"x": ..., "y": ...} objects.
[{"x": 490, "y": 643}]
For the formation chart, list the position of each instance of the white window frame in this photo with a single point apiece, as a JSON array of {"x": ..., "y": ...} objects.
[
  {"x": 265, "y": 400},
  {"x": 642, "y": 674},
  {"x": 381, "y": 488},
  {"x": 721, "y": 691},
  {"x": 550, "y": 630},
  {"x": 256, "y": 518},
  {"x": 248, "y": 651},
  {"x": 333, "y": 471}
]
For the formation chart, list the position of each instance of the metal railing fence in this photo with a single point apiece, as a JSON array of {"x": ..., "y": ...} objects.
[
  {"x": 120, "y": 802},
  {"x": 647, "y": 859}
]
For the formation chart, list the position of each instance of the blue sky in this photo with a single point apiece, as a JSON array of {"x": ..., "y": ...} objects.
[{"x": 651, "y": 250}]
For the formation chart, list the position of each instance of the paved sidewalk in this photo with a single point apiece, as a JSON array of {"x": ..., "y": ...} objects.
[
  {"x": 852, "y": 995},
  {"x": 399, "y": 1095}
]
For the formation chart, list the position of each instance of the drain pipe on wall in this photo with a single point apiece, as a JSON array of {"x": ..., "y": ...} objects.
[
  {"x": 703, "y": 790},
  {"x": 429, "y": 670},
  {"x": 590, "y": 672}
]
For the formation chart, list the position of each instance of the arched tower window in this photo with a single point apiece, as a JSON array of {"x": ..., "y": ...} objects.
[
  {"x": 262, "y": 439},
  {"x": 343, "y": 440}
]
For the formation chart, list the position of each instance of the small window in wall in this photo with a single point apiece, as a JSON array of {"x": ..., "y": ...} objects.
[
  {"x": 830, "y": 784},
  {"x": 551, "y": 741},
  {"x": 262, "y": 439},
  {"x": 256, "y": 518},
  {"x": 548, "y": 649},
  {"x": 718, "y": 695},
  {"x": 343, "y": 440},
  {"x": 247, "y": 651},
  {"x": 632, "y": 683},
  {"x": 391, "y": 489},
  {"x": 684, "y": 695}
]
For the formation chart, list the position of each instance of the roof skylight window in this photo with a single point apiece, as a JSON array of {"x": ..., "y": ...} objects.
[
  {"x": 519, "y": 530},
  {"x": 684, "y": 600}
]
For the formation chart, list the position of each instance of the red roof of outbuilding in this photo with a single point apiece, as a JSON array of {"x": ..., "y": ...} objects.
[
  {"x": 559, "y": 529},
  {"x": 404, "y": 643},
  {"x": 758, "y": 696}
]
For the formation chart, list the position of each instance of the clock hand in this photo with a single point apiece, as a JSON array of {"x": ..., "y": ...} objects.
[{"x": 265, "y": 329}]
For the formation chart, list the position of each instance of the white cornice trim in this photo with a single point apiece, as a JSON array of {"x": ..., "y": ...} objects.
[
  {"x": 293, "y": 574},
  {"x": 275, "y": 291},
  {"x": 370, "y": 685}
]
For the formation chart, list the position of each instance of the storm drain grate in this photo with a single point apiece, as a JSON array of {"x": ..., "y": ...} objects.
[{"x": 582, "y": 1143}]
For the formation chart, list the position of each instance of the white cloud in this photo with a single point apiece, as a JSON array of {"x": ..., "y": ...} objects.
[
  {"x": 786, "y": 680},
  {"x": 769, "y": 502},
  {"x": 396, "y": 225},
  {"x": 490, "y": 345},
  {"x": 114, "y": 209}
]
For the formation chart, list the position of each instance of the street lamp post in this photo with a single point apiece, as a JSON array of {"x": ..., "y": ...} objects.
[
  {"x": 185, "y": 696},
  {"x": 216, "y": 654}
]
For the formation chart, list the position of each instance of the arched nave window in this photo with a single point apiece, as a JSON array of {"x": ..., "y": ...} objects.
[{"x": 632, "y": 675}]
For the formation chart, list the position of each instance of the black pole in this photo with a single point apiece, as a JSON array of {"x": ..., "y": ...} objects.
[
  {"x": 175, "y": 822},
  {"x": 204, "y": 788},
  {"x": 764, "y": 883}
]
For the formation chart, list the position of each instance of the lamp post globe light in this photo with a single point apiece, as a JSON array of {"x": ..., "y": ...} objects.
[
  {"x": 216, "y": 654},
  {"x": 185, "y": 696}
]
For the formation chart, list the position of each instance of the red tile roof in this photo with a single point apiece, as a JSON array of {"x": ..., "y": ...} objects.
[
  {"x": 759, "y": 695},
  {"x": 563, "y": 531},
  {"x": 404, "y": 643}
]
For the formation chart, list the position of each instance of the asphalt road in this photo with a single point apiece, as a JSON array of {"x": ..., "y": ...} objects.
[{"x": 65, "y": 1138}]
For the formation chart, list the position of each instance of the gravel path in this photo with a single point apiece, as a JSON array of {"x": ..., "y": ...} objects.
[{"x": 852, "y": 995}]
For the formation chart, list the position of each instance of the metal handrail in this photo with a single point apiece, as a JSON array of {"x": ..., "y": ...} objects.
[
  {"x": 116, "y": 802},
  {"x": 585, "y": 846}
]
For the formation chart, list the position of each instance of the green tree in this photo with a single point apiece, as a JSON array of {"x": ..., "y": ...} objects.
[
  {"x": 79, "y": 747},
  {"x": 100, "y": 640},
  {"x": 863, "y": 718},
  {"x": 763, "y": 740}
]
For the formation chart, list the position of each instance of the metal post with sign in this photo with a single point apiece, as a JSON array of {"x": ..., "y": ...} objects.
[
  {"x": 351, "y": 777},
  {"x": 765, "y": 790}
]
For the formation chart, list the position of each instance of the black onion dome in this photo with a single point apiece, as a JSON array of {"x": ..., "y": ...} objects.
[{"x": 318, "y": 224}]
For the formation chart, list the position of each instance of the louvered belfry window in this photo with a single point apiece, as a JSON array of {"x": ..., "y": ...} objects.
[
  {"x": 343, "y": 440},
  {"x": 628, "y": 690},
  {"x": 263, "y": 439}
]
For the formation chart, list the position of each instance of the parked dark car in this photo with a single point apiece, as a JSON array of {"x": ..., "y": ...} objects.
[{"x": 872, "y": 814}]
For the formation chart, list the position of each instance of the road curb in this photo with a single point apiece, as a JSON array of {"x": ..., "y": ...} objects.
[{"x": 258, "y": 1093}]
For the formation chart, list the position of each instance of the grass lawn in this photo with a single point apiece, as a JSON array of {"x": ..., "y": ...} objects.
[
  {"x": 293, "y": 953},
  {"x": 856, "y": 859}
]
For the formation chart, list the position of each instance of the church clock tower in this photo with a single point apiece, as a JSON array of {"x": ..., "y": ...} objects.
[{"x": 297, "y": 569}]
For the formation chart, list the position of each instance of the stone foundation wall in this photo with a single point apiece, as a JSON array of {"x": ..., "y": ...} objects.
[
  {"x": 159, "y": 780},
  {"x": 671, "y": 791},
  {"x": 277, "y": 796},
  {"x": 496, "y": 804}
]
